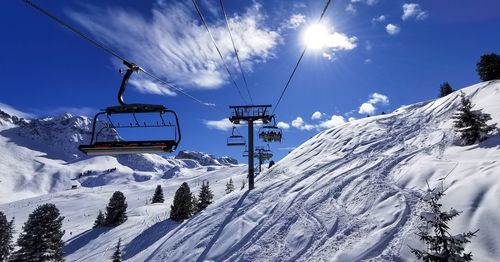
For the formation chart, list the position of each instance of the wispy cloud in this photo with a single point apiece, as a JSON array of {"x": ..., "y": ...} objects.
[
  {"x": 413, "y": 10},
  {"x": 392, "y": 29},
  {"x": 293, "y": 22},
  {"x": 172, "y": 43},
  {"x": 381, "y": 18},
  {"x": 351, "y": 8},
  {"x": 223, "y": 124},
  {"x": 368, "y": 2}
]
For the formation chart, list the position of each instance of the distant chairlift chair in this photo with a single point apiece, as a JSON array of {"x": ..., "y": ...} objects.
[
  {"x": 271, "y": 132},
  {"x": 97, "y": 147},
  {"x": 235, "y": 139}
]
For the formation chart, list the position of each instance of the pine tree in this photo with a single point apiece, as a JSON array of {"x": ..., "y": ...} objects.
[
  {"x": 183, "y": 205},
  {"x": 100, "y": 221},
  {"x": 158, "y": 195},
  {"x": 6, "y": 231},
  {"x": 271, "y": 164},
  {"x": 117, "y": 255},
  {"x": 441, "y": 245},
  {"x": 194, "y": 204},
  {"x": 229, "y": 186},
  {"x": 488, "y": 68},
  {"x": 205, "y": 197},
  {"x": 243, "y": 184},
  {"x": 116, "y": 211},
  {"x": 445, "y": 89},
  {"x": 41, "y": 239},
  {"x": 471, "y": 124}
]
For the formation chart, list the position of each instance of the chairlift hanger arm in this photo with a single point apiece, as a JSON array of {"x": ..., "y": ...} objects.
[{"x": 131, "y": 68}]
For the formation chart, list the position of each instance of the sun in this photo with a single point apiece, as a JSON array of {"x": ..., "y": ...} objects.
[{"x": 315, "y": 36}]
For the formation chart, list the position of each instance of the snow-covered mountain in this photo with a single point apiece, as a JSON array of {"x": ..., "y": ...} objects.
[
  {"x": 41, "y": 156},
  {"x": 350, "y": 193}
]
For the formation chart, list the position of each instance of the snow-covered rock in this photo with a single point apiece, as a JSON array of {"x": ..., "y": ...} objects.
[{"x": 206, "y": 159}]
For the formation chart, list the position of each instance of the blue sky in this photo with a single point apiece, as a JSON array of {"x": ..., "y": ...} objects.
[{"x": 375, "y": 56}]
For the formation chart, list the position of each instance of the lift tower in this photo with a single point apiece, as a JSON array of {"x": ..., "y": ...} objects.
[{"x": 250, "y": 114}]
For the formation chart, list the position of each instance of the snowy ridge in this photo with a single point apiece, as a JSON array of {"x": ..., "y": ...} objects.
[
  {"x": 41, "y": 156},
  {"x": 351, "y": 193}
]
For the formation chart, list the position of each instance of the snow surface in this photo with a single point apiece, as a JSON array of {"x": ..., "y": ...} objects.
[{"x": 350, "y": 193}]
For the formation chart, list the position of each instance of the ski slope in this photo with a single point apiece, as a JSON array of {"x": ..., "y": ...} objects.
[{"x": 350, "y": 193}]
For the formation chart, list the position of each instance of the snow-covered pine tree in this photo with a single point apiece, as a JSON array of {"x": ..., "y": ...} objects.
[
  {"x": 445, "y": 89},
  {"x": 6, "y": 231},
  {"x": 116, "y": 211},
  {"x": 229, "y": 186},
  {"x": 182, "y": 206},
  {"x": 41, "y": 239},
  {"x": 243, "y": 184},
  {"x": 194, "y": 204},
  {"x": 471, "y": 124},
  {"x": 205, "y": 197},
  {"x": 271, "y": 164},
  {"x": 158, "y": 195},
  {"x": 117, "y": 255},
  {"x": 441, "y": 245},
  {"x": 100, "y": 220}
]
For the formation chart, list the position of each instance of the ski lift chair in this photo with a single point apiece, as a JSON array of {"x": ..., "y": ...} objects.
[
  {"x": 235, "y": 139},
  {"x": 271, "y": 133},
  {"x": 121, "y": 146}
]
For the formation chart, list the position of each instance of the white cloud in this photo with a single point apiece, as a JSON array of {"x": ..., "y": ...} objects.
[
  {"x": 392, "y": 29},
  {"x": 368, "y": 60},
  {"x": 366, "y": 108},
  {"x": 298, "y": 122},
  {"x": 411, "y": 10},
  {"x": 369, "y": 106},
  {"x": 223, "y": 124},
  {"x": 335, "y": 42},
  {"x": 379, "y": 19},
  {"x": 350, "y": 8},
  {"x": 332, "y": 122},
  {"x": 316, "y": 115},
  {"x": 368, "y": 2},
  {"x": 376, "y": 98},
  {"x": 171, "y": 42},
  {"x": 147, "y": 86},
  {"x": 339, "y": 41},
  {"x": 283, "y": 125},
  {"x": 294, "y": 21},
  {"x": 351, "y": 119},
  {"x": 301, "y": 125}
]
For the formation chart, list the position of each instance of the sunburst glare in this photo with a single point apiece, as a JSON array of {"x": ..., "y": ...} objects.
[{"x": 315, "y": 36}]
